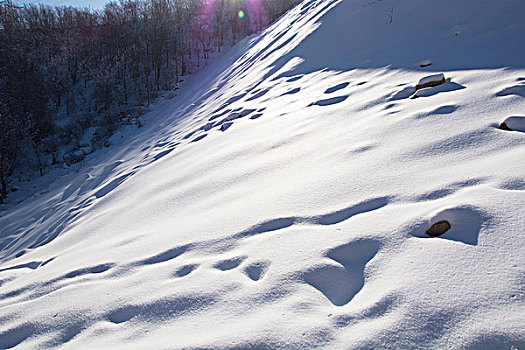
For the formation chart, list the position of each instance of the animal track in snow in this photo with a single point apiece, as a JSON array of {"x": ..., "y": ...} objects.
[
  {"x": 346, "y": 213},
  {"x": 213, "y": 117},
  {"x": 159, "y": 309},
  {"x": 198, "y": 138},
  {"x": 406, "y": 92},
  {"x": 340, "y": 282},
  {"x": 230, "y": 101},
  {"x": 443, "y": 110},
  {"x": 229, "y": 243},
  {"x": 286, "y": 42},
  {"x": 448, "y": 190},
  {"x": 331, "y": 218},
  {"x": 518, "y": 90},
  {"x": 292, "y": 79},
  {"x": 243, "y": 113},
  {"x": 162, "y": 154},
  {"x": 164, "y": 256},
  {"x": 33, "y": 265},
  {"x": 36, "y": 290},
  {"x": 87, "y": 270},
  {"x": 236, "y": 114},
  {"x": 362, "y": 148},
  {"x": 268, "y": 226},
  {"x": 186, "y": 270},
  {"x": 258, "y": 94},
  {"x": 112, "y": 185},
  {"x": 329, "y": 101},
  {"x": 338, "y": 87},
  {"x": 448, "y": 109},
  {"x": 517, "y": 184},
  {"x": 190, "y": 134},
  {"x": 229, "y": 264},
  {"x": 291, "y": 92},
  {"x": 257, "y": 270},
  {"x": 207, "y": 126},
  {"x": 390, "y": 105}
]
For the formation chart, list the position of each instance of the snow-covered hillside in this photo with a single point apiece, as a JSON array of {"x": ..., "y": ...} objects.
[{"x": 281, "y": 201}]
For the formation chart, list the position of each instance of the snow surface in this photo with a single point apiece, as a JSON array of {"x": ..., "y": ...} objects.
[{"x": 281, "y": 200}]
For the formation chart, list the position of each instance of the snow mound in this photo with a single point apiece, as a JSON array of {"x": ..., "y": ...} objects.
[{"x": 283, "y": 199}]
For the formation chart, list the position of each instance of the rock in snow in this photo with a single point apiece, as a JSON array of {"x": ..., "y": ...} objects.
[
  {"x": 430, "y": 81},
  {"x": 513, "y": 124},
  {"x": 300, "y": 227},
  {"x": 438, "y": 228},
  {"x": 425, "y": 63}
]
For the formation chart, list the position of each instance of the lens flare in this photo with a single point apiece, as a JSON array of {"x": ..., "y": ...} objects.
[{"x": 241, "y": 14}]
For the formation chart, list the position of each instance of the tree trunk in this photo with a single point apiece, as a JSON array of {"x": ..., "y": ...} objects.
[
  {"x": 3, "y": 190},
  {"x": 176, "y": 69},
  {"x": 125, "y": 83},
  {"x": 39, "y": 162},
  {"x": 68, "y": 104},
  {"x": 183, "y": 65},
  {"x": 157, "y": 76}
]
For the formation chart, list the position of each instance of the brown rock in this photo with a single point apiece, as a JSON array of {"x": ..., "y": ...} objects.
[
  {"x": 504, "y": 126},
  {"x": 430, "y": 84},
  {"x": 438, "y": 228}
]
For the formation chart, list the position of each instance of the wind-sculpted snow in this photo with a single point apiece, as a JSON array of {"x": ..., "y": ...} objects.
[
  {"x": 282, "y": 199},
  {"x": 341, "y": 284}
]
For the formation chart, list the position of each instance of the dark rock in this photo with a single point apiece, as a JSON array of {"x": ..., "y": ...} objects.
[
  {"x": 431, "y": 81},
  {"x": 430, "y": 84},
  {"x": 438, "y": 228},
  {"x": 226, "y": 126},
  {"x": 504, "y": 126}
]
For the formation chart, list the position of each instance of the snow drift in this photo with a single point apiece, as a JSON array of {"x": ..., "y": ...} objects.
[{"x": 282, "y": 199}]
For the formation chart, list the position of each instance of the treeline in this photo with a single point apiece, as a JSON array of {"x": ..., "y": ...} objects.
[{"x": 65, "y": 71}]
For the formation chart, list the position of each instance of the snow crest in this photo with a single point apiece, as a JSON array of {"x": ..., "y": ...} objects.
[{"x": 282, "y": 200}]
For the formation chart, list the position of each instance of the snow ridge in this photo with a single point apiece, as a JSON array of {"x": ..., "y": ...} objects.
[{"x": 283, "y": 200}]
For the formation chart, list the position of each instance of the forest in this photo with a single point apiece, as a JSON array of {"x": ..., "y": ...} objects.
[{"x": 68, "y": 72}]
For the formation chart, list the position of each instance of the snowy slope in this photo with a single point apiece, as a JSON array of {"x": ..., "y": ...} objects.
[{"x": 281, "y": 201}]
